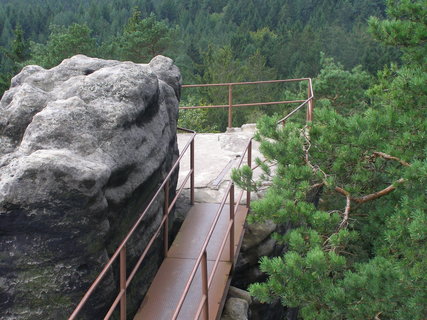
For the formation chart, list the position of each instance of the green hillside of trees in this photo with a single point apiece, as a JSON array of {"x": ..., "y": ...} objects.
[{"x": 285, "y": 36}]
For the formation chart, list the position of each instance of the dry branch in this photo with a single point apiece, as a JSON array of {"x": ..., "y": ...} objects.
[
  {"x": 317, "y": 185},
  {"x": 383, "y": 155},
  {"x": 344, "y": 221},
  {"x": 306, "y": 148},
  {"x": 371, "y": 196},
  {"x": 378, "y": 194},
  {"x": 377, "y": 316}
]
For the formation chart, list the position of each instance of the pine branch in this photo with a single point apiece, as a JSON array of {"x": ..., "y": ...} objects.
[
  {"x": 317, "y": 185},
  {"x": 306, "y": 148},
  {"x": 378, "y": 194},
  {"x": 344, "y": 221},
  {"x": 383, "y": 155},
  {"x": 363, "y": 199},
  {"x": 371, "y": 196},
  {"x": 272, "y": 164}
]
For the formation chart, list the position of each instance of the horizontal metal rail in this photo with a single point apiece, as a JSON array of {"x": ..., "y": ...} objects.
[
  {"x": 242, "y": 83},
  {"x": 232, "y": 105},
  {"x": 243, "y": 104},
  {"x": 121, "y": 249}
]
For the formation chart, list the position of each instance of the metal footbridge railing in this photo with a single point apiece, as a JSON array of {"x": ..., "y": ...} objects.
[{"x": 194, "y": 277}]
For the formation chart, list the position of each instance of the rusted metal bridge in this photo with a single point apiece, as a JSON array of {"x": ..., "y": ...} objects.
[{"x": 193, "y": 280}]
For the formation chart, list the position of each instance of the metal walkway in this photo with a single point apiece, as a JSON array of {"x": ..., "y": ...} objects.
[{"x": 162, "y": 299}]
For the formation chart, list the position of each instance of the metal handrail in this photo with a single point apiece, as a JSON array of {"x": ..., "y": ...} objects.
[
  {"x": 121, "y": 249},
  {"x": 204, "y": 303},
  {"x": 309, "y": 100},
  {"x": 202, "y": 253},
  {"x": 202, "y": 258},
  {"x": 231, "y": 105},
  {"x": 243, "y": 83}
]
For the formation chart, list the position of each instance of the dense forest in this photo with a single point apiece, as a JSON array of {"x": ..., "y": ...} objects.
[
  {"x": 359, "y": 250},
  {"x": 284, "y": 36}
]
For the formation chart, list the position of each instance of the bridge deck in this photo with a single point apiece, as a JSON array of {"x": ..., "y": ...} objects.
[{"x": 168, "y": 285}]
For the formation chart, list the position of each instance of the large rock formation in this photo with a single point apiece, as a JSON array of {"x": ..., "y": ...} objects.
[{"x": 82, "y": 147}]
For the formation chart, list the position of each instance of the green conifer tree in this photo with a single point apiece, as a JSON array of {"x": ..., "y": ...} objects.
[
  {"x": 63, "y": 42},
  {"x": 143, "y": 39},
  {"x": 360, "y": 251}
]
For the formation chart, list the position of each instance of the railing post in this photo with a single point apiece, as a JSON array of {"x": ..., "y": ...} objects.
[
  {"x": 123, "y": 283},
  {"x": 311, "y": 106},
  {"x": 309, "y": 117},
  {"x": 248, "y": 193},
  {"x": 165, "y": 213},
  {"x": 232, "y": 224},
  {"x": 205, "y": 287},
  {"x": 192, "y": 172},
  {"x": 230, "y": 106}
]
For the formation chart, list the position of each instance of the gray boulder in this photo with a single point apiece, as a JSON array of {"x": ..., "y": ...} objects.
[
  {"x": 82, "y": 148},
  {"x": 256, "y": 233},
  {"x": 234, "y": 292},
  {"x": 235, "y": 309}
]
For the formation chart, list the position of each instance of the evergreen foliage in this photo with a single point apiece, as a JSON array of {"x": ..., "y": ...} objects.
[
  {"x": 288, "y": 35},
  {"x": 361, "y": 251},
  {"x": 63, "y": 42},
  {"x": 143, "y": 39},
  {"x": 341, "y": 89}
]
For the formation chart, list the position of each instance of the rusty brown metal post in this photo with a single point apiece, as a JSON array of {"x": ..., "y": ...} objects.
[
  {"x": 165, "y": 213},
  {"x": 232, "y": 224},
  {"x": 205, "y": 286},
  {"x": 309, "y": 105},
  {"x": 248, "y": 193},
  {"x": 192, "y": 173},
  {"x": 230, "y": 106},
  {"x": 123, "y": 283}
]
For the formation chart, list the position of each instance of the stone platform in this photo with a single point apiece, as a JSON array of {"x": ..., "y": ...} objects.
[{"x": 215, "y": 155}]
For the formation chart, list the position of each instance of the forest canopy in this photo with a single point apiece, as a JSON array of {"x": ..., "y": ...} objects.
[{"x": 283, "y": 35}]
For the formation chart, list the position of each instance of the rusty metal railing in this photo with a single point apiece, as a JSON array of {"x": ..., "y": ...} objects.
[
  {"x": 120, "y": 253},
  {"x": 202, "y": 257},
  {"x": 231, "y": 105}
]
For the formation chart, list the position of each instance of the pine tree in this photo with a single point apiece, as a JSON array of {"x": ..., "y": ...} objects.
[
  {"x": 62, "y": 43},
  {"x": 353, "y": 187},
  {"x": 143, "y": 39}
]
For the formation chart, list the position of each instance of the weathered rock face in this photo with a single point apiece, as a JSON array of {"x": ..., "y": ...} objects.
[
  {"x": 82, "y": 147},
  {"x": 258, "y": 242}
]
